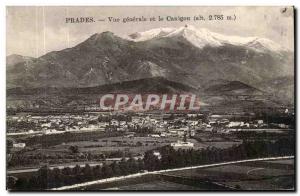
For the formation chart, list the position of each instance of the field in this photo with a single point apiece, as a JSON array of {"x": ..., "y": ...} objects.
[
  {"x": 95, "y": 144},
  {"x": 263, "y": 175},
  {"x": 156, "y": 185},
  {"x": 259, "y": 175}
]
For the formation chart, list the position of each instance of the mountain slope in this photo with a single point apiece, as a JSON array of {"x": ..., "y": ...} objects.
[
  {"x": 157, "y": 85},
  {"x": 51, "y": 97},
  {"x": 14, "y": 59},
  {"x": 282, "y": 88},
  {"x": 232, "y": 88}
]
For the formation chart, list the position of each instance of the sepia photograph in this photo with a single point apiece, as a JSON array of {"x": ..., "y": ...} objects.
[{"x": 150, "y": 98}]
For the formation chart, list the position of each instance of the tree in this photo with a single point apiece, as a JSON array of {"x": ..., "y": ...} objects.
[
  {"x": 33, "y": 183},
  {"x": 106, "y": 171},
  {"x": 14, "y": 183},
  {"x": 74, "y": 149},
  {"x": 9, "y": 145},
  {"x": 55, "y": 178},
  {"x": 77, "y": 170},
  {"x": 151, "y": 161},
  {"x": 123, "y": 166},
  {"x": 67, "y": 171},
  {"x": 97, "y": 172},
  {"x": 43, "y": 180},
  {"x": 87, "y": 172},
  {"x": 141, "y": 165},
  {"x": 132, "y": 165},
  {"x": 116, "y": 168}
]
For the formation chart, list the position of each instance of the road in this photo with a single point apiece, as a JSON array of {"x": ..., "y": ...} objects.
[
  {"x": 168, "y": 170},
  {"x": 54, "y": 132},
  {"x": 255, "y": 169}
]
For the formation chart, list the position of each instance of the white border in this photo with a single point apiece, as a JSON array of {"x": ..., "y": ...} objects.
[
  {"x": 154, "y": 2},
  {"x": 5, "y": 3}
]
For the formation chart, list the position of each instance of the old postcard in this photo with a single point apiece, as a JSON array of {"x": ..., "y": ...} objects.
[{"x": 150, "y": 98}]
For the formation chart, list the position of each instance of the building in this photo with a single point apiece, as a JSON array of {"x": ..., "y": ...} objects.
[
  {"x": 157, "y": 154},
  {"x": 19, "y": 145},
  {"x": 182, "y": 145}
]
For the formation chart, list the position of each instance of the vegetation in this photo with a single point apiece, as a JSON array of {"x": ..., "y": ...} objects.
[{"x": 170, "y": 158}]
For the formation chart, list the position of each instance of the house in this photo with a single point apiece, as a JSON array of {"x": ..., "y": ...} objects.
[
  {"x": 19, "y": 145},
  {"x": 182, "y": 145},
  {"x": 157, "y": 154},
  {"x": 235, "y": 124},
  {"x": 155, "y": 135},
  {"x": 192, "y": 133},
  {"x": 259, "y": 122}
]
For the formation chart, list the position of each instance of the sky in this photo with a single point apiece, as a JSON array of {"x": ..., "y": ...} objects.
[{"x": 34, "y": 31}]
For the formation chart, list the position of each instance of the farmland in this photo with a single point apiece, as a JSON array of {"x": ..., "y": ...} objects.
[{"x": 262, "y": 175}]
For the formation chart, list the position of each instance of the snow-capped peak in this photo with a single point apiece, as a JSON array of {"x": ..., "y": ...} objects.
[
  {"x": 203, "y": 37},
  {"x": 198, "y": 37},
  {"x": 146, "y": 35},
  {"x": 261, "y": 43}
]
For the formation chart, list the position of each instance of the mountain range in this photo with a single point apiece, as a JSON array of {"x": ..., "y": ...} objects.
[{"x": 196, "y": 58}]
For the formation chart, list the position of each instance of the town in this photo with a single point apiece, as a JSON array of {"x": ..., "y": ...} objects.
[
  {"x": 101, "y": 139},
  {"x": 139, "y": 130}
]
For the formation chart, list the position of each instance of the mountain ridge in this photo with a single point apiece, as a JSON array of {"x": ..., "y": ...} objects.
[
  {"x": 207, "y": 37},
  {"x": 106, "y": 58}
]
